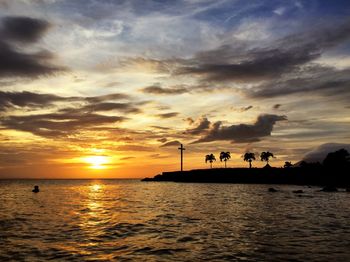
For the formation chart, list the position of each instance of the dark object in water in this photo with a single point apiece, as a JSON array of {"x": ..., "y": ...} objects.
[
  {"x": 271, "y": 189},
  {"x": 329, "y": 189},
  {"x": 298, "y": 191},
  {"x": 36, "y": 189}
]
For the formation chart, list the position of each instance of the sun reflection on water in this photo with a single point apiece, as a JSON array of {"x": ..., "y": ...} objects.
[{"x": 95, "y": 187}]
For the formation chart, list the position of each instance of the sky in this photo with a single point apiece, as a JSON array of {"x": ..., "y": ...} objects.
[{"x": 108, "y": 89}]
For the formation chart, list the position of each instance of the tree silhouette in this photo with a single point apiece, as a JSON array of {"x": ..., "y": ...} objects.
[
  {"x": 210, "y": 158},
  {"x": 338, "y": 159},
  {"x": 287, "y": 164},
  {"x": 265, "y": 156},
  {"x": 225, "y": 156},
  {"x": 249, "y": 157}
]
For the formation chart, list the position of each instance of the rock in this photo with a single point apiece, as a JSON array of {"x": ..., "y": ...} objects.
[{"x": 271, "y": 189}]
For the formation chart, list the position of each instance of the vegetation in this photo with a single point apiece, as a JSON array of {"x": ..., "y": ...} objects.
[
  {"x": 249, "y": 157},
  {"x": 338, "y": 159},
  {"x": 224, "y": 156},
  {"x": 287, "y": 164},
  {"x": 332, "y": 172},
  {"x": 210, "y": 158},
  {"x": 265, "y": 156}
]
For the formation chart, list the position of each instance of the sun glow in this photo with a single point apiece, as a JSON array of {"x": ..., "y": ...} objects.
[{"x": 96, "y": 162}]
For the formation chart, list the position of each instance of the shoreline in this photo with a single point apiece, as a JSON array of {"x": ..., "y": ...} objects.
[{"x": 294, "y": 176}]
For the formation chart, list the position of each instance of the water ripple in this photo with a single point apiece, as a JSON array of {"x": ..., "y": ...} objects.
[{"x": 129, "y": 220}]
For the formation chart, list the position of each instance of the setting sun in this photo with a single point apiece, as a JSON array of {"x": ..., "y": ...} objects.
[{"x": 96, "y": 162}]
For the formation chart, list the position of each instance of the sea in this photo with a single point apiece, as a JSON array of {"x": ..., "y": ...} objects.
[{"x": 129, "y": 220}]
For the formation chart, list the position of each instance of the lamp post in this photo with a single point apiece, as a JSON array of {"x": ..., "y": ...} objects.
[{"x": 181, "y": 148}]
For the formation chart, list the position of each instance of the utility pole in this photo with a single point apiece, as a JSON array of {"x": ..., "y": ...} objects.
[{"x": 181, "y": 148}]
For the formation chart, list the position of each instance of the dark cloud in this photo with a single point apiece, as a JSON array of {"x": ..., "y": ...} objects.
[
  {"x": 244, "y": 109},
  {"x": 161, "y": 127},
  {"x": 109, "y": 97},
  {"x": 14, "y": 62},
  {"x": 265, "y": 63},
  {"x": 23, "y": 29},
  {"x": 55, "y": 125},
  {"x": 201, "y": 125},
  {"x": 314, "y": 80},
  {"x": 171, "y": 143},
  {"x": 27, "y": 99},
  {"x": 262, "y": 65},
  {"x": 158, "y": 90},
  {"x": 162, "y": 140},
  {"x": 243, "y": 132},
  {"x": 64, "y": 121},
  {"x": 9, "y": 100},
  {"x": 168, "y": 115}
]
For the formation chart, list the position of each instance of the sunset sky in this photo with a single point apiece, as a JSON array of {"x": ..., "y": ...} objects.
[{"x": 108, "y": 89}]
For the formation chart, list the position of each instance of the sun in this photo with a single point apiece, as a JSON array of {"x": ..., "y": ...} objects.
[{"x": 96, "y": 162}]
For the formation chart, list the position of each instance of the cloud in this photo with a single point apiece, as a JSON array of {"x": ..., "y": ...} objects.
[
  {"x": 242, "y": 133},
  {"x": 101, "y": 107},
  {"x": 127, "y": 157},
  {"x": 162, "y": 140},
  {"x": 15, "y": 62},
  {"x": 171, "y": 143},
  {"x": 161, "y": 127},
  {"x": 9, "y": 100},
  {"x": 325, "y": 81},
  {"x": 27, "y": 99},
  {"x": 168, "y": 115},
  {"x": 242, "y": 109},
  {"x": 260, "y": 65},
  {"x": 55, "y": 124},
  {"x": 239, "y": 64},
  {"x": 319, "y": 154},
  {"x": 23, "y": 29},
  {"x": 158, "y": 90},
  {"x": 64, "y": 121},
  {"x": 133, "y": 148},
  {"x": 201, "y": 125},
  {"x": 108, "y": 97}
]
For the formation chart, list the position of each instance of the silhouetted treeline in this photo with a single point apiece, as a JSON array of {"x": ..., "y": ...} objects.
[{"x": 334, "y": 170}]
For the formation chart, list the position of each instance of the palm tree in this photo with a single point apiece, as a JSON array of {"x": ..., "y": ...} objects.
[
  {"x": 249, "y": 157},
  {"x": 210, "y": 158},
  {"x": 225, "y": 156},
  {"x": 288, "y": 164},
  {"x": 264, "y": 156}
]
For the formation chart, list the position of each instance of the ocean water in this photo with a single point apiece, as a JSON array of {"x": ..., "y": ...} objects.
[{"x": 128, "y": 220}]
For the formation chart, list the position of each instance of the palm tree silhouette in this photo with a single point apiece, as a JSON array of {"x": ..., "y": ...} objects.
[
  {"x": 288, "y": 164},
  {"x": 249, "y": 157},
  {"x": 210, "y": 158},
  {"x": 264, "y": 156},
  {"x": 225, "y": 156}
]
